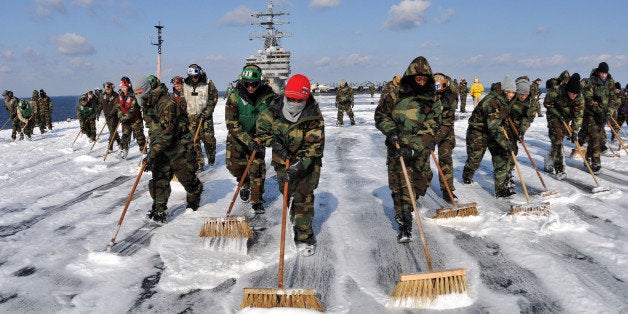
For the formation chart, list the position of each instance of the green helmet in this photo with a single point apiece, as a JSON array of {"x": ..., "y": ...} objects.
[{"x": 251, "y": 73}]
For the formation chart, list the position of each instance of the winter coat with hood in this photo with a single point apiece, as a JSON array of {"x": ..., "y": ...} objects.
[
  {"x": 599, "y": 96},
  {"x": 491, "y": 113},
  {"x": 242, "y": 110}
]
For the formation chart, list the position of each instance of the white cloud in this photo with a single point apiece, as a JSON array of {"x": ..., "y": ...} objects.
[
  {"x": 503, "y": 58},
  {"x": 5, "y": 69},
  {"x": 542, "y": 30},
  {"x": 44, "y": 8},
  {"x": 430, "y": 45},
  {"x": 324, "y": 4},
  {"x": 612, "y": 60},
  {"x": 407, "y": 14},
  {"x": 7, "y": 54},
  {"x": 323, "y": 61},
  {"x": 215, "y": 58},
  {"x": 542, "y": 62},
  {"x": 79, "y": 63},
  {"x": 354, "y": 59},
  {"x": 240, "y": 16},
  {"x": 72, "y": 44},
  {"x": 475, "y": 59},
  {"x": 83, "y": 3},
  {"x": 445, "y": 16}
]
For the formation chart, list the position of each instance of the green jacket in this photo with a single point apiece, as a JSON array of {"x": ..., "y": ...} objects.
[
  {"x": 242, "y": 111},
  {"x": 599, "y": 96},
  {"x": 560, "y": 106},
  {"x": 522, "y": 113}
]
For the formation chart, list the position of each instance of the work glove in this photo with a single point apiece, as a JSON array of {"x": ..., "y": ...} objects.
[
  {"x": 405, "y": 152},
  {"x": 149, "y": 164},
  {"x": 294, "y": 171},
  {"x": 254, "y": 145},
  {"x": 392, "y": 139},
  {"x": 432, "y": 145},
  {"x": 203, "y": 115},
  {"x": 279, "y": 149},
  {"x": 574, "y": 137}
]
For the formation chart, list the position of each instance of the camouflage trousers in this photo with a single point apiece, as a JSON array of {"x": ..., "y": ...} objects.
[
  {"x": 181, "y": 163},
  {"x": 41, "y": 122},
  {"x": 445, "y": 161},
  {"x": 45, "y": 118},
  {"x": 557, "y": 132},
  {"x": 88, "y": 127},
  {"x": 205, "y": 136},
  {"x": 463, "y": 102},
  {"x": 477, "y": 143},
  {"x": 237, "y": 158},
  {"x": 16, "y": 125},
  {"x": 595, "y": 136},
  {"x": 420, "y": 176},
  {"x": 137, "y": 128},
  {"x": 302, "y": 206},
  {"x": 112, "y": 124},
  {"x": 28, "y": 126},
  {"x": 342, "y": 108}
]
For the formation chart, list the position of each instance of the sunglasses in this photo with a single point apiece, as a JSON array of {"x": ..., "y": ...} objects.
[
  {"x": 255, "y": 84},
  {"x": 293, "y": 100}
]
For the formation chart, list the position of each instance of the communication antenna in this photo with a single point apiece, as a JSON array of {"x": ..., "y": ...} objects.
[{"x": 159, "y": 27}]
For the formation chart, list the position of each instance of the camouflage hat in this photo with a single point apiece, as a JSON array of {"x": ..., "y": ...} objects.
[
  {"x": 251, "y": 73},
  {"x": 7, "y": 93}
]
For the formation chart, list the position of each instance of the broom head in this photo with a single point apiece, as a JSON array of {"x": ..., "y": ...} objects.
[
  {"x": 417, "y": 290},
  {"x": 229, "y": 227},
  {"x": 541, "y": 209},
  {"x": 269, "y": 298},
  {"x": 548, "y": 194},
  {"x": 599, "y": 189},
  {"x": 461, "y": 210},
  {"x": 576, "y": 155}
]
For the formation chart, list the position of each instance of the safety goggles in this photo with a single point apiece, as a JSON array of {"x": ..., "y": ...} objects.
[
  {"x": 254, "y": 84},
  {"x": 194, "y": 71}
]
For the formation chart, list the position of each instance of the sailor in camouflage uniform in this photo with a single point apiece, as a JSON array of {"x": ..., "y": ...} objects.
[
  {"x": 522, "y": 111},
  {"x": 129, "y": 113},
  {"x": 600, "y": 103},
  {"x": 390, "y": 89},
  {"x": 445, "y": 137},
  {"x": 45, "y": 109},
  {"x": 344, "y": 102},
  {"x": 484, "y": 131},
  {"x": 201, "y": 97},
  {"x": 27, "y": 113},
  {"x": 170, "y": 152},
  {"x": 412, "y": 122},
  {"x": 535, "y": 95},
  {"x": 463, "y": 91},
  {"x": 86, "y": 113},
  {"x": 108, "y": 101},
  {"x": 293, "y": 125},
  {"x": 563, "y": 103},
  {"x": 619, "y": 115},
  {"x": 37, "y": 119},
  {"x": 244, "y": 104},
  {"x": 10, "y": 104}
]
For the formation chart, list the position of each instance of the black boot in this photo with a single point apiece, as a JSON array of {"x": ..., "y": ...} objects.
[
  {"x": 447, "y": 198},
  {"x": 258, "y": 208},
  {"x": 405, "y": 227},
  {"x": 158, "y": 213},
  {"x": 245, "y": 193}
]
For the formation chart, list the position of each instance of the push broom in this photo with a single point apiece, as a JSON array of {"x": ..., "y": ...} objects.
[
  {"x": 98, "y": 137},
  {"x": 623, "y": 144},
  {"x": 528, "y": 208},
  {"x": 269, "y": 298},
  {"x": 415, "y": 290},
  {"x": 619, "y": 139},
  {"x": 598, "y": 188},
  {"x": 229, "y": 227},
  {"x": 462, "y": 210},
  {"x": 547, "y": 193},
  {"x": 111, "y": 142}
]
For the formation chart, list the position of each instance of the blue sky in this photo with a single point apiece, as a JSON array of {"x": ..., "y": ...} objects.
[{"x": 70, "y": 46}]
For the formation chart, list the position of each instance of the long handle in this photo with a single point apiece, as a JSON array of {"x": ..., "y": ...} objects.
[
  {"x": 514, "y": 158},
  {"x": 442, "y": 176},
  {"x": 98, "y": 137},
  {"x": 514, "y": 128},
  {"x": 617, "y": 124},
  {"x": 77, "y": 136},
  {"x": 621, "y": 141},
  {"x": 143, "y": 151},
  {"x": 246, "y": 172},
  {"x": 113, "y": 136},
  {"x": 284, "y": 216},
  {"x": 198, "y": 128},
  {"x": 416, "y": 211},
  {"x": 126, "y": 206},
  {"x": 586, "y": 163},
  {"x": 5, "y": 123}
]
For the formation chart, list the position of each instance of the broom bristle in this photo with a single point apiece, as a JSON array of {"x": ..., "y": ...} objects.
[
  {"x": 231, "y": 227},
  {"x": 416, "y": 290},
  {"x": 549, "y": 194},
  {"x": 463, "y": 210},
  {"x": 541, "y": 209},
  {"x": 269, "y": 298},
  {"x": 576, "y": 155}
]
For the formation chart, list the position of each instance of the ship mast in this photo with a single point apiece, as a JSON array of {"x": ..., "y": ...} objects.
[
  {"x": 159, "y": 27},
  {"x": 272, "y": 35}
]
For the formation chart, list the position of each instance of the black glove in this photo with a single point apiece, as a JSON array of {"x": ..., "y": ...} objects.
[
  {"x": 254, "y": 145},
  {"x": 294, "y": 171},
  {"x": 574, "y": 137},
  {"x": 432, "y": 145},
  {"x": 392, "y": 140},
  {"x": 521, "y": 137},
  {"x": 405, "y": 152},
  {"x": 203, "y": 115},
  {"x": 149, "y": 164},
  {"x": 280, "y": 150}
]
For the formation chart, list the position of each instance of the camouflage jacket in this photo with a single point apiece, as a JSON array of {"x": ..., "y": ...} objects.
[
  {"x": 11, "y": 106},
  {"x": 560, "y": 106},
  {"x": 242, "y": 111},
  {"x": 414, "y": 118},
  {"x": 108, "y": 102},
  {"x": 168, "y": 125},
  {"x": 45, "y": 104},
  {"x": 344, "y": 96},
  {"x": 448, "y": 101},
  {"x": 535, "y": 92},
  {"x": 599, "y": 96},
  {"x": 89, "y": 110},
  {"x": 490, "y": 114},
  {"x": 522, "y": 113},
  {"x": 304, "y": 139},
  {"x": 389, "y": 90},
  {"x": 454, "y": 90},
  {"x": 462, "y": 88}
]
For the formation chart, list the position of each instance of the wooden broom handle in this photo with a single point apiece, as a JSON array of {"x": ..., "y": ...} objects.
[
  {"x": 246, "y": 172},
  {"x": 514, "y": 159},
  {"x": 126, "y": 206},
  {"x": 416, "y": 210},
  {"x": 111, "y": 141},
  {"x": 584, "y": 158},
  {"x": 514, "y": 128},
  {"x": 98, "y": 137},
  {"x": 198, "y": 128},
  {"x": 621, "y": 141},
  {"x": 284, "y": 215},
  {"x": 442, "y": 176}
]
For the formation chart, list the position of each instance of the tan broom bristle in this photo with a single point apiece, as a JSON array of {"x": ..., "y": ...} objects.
[
  {"x": 549, "y": 193},
  {"x": 231, "y": 227},
  {"x": 419, "y": 289},
  {"x": 462, "y": 210},
  {"x": 542, "y": 209},
  {"x": 269, "y": 298}
]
